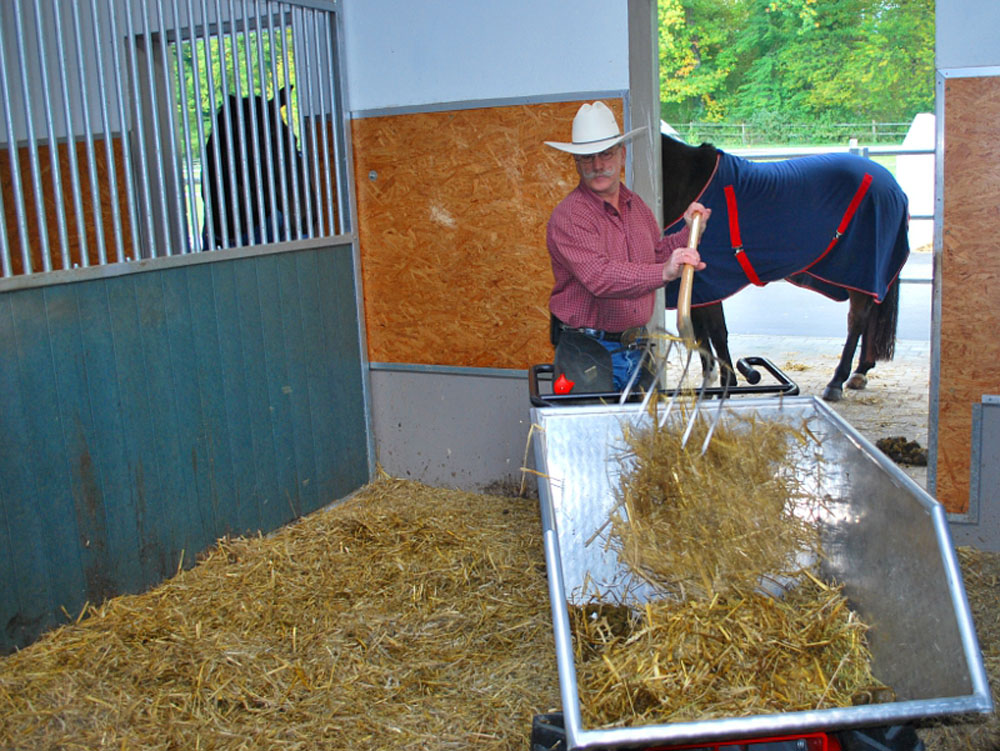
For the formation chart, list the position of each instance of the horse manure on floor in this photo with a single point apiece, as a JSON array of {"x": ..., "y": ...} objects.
[
  {"x": 745, "y": 625},
  {"x": 903, "y": 451}
]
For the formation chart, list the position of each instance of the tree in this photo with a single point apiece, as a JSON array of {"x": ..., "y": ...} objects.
[{"x": 808, "y": 61}]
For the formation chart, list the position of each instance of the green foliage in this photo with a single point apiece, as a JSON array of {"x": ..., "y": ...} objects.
[{"x": 815, "y": 62}]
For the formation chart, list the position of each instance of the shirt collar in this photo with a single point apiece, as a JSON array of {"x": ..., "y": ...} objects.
[{"x": 624, "y": 196}]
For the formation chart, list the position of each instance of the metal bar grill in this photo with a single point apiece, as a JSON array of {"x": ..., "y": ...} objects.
[{"x": 135, "y": 129}]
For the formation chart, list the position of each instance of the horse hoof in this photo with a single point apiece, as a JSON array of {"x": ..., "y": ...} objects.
[
  {"x": 857, "y": 381},
  {"x": 832, "y": 394}
]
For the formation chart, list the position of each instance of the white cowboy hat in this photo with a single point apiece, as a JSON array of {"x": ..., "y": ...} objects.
[{"x": 594, "y": 130}]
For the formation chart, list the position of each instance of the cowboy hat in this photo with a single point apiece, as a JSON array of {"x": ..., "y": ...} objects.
[{"x": 594, "y": 130}]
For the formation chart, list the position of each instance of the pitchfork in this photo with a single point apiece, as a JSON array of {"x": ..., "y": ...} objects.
[{"x": 686, "y": 331}]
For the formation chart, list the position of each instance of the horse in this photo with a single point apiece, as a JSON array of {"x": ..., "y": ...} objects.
[
  {"x": 832, "y": 223},
  {"x": 241, "y": 200}
]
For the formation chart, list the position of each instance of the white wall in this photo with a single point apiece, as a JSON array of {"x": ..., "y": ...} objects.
[
  {"x": 401, "y": 53},
  {"x": 966, "y": 33}
]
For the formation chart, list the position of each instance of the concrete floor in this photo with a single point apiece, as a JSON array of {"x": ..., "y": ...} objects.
[{"x": 895, "y": 403}]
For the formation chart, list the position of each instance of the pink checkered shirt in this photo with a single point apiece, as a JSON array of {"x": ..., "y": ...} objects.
[{"x": 607, "y": 266}]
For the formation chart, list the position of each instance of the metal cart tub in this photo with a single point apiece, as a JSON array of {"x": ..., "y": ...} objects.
[{"x": 884, "y": 538}]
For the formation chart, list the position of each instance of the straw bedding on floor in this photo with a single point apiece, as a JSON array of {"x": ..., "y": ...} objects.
[{"x": 406, "y": 617}]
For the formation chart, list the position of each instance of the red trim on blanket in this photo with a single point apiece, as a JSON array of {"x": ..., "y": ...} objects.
[
  {"x": 848, "y": 287},
  {"x": 862, "y": 189},
  {"x": 734, "y": 237}
]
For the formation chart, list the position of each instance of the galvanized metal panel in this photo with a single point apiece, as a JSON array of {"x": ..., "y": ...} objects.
[{"x": 149, "y": 414}]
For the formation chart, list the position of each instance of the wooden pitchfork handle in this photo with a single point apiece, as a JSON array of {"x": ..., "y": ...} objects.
[{"x": 684, "y": 326}]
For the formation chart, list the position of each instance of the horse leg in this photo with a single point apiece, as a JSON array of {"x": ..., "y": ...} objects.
[
  {"x": 878, "y": 342},
  {"x": 700, "y": 325},
  {"x": 866, "y": 361},
  {"x": 709, "y": 324},
  {"x": 857, "y": 321},
  {"x": 718, "y": 334}
]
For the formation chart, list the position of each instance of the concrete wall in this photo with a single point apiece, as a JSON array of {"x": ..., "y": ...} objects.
[
  {"x": 407, "y": 54},
  {"x": 459, "y": 427},
  {"x": 966, "y": 33}
]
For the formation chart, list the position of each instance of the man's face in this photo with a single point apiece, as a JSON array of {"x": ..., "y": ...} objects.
[{"x": 601, "y": 172}]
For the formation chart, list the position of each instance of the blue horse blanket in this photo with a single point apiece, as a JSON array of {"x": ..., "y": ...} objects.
[{"x": 831, "y": 222}]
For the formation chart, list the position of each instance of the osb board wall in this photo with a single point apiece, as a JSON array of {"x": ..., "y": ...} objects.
[
  {"x": 970, "y": 276},
  {"x": 73, "y": 231},
  {"x": 452, "y": 208}
]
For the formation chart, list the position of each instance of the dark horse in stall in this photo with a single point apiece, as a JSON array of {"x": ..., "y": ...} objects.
[
  {"x": 833, "y": 223},
  {"x": 253, "y": 199}
]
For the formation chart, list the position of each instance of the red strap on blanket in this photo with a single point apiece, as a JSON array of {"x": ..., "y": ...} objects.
[
  {"x": 734, "y": 238},
  {"x": 851, "y": 209}
]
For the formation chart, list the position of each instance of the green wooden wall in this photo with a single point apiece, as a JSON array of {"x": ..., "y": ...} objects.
[{"x": 146, "y": 415}]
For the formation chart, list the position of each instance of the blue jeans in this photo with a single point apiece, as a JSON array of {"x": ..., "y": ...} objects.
[{"x": 623, "y": 362}]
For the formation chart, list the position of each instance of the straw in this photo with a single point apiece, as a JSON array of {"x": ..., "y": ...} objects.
[
  {"x": 383, "y": 668},
  {"x": 406, "y": 617},
  {"x": 701, "y": 523},
  {"x": 735, "y": 655}
]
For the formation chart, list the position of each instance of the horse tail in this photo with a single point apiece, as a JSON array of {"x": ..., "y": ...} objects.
[{"x": 882, "y": 324}]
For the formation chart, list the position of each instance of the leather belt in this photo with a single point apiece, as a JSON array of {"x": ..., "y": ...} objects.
[
  {"x": 629, "y": 335},
  {"x": 599, "y": 334}
]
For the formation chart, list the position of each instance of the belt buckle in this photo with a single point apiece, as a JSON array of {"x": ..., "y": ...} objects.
[{"x": 631, "y": 337}]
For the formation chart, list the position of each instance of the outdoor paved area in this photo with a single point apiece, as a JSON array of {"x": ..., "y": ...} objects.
[{"x": 895, "y": 403}]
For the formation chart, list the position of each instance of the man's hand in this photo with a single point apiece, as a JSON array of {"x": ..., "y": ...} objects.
[
  {"x": 696, "y": 208},
  {"x": 690, "y": 256},
  {"x": 677, "y": 259}
]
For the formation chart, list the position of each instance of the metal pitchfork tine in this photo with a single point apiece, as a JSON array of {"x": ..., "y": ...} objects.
[{"x": 686, "y": 329}]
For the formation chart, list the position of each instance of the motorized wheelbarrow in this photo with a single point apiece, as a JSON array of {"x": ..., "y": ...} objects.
[{"x": 882, "y": 537}]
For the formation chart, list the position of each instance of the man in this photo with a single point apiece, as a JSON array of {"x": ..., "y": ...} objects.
[{"x": 608, "y": 257}]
